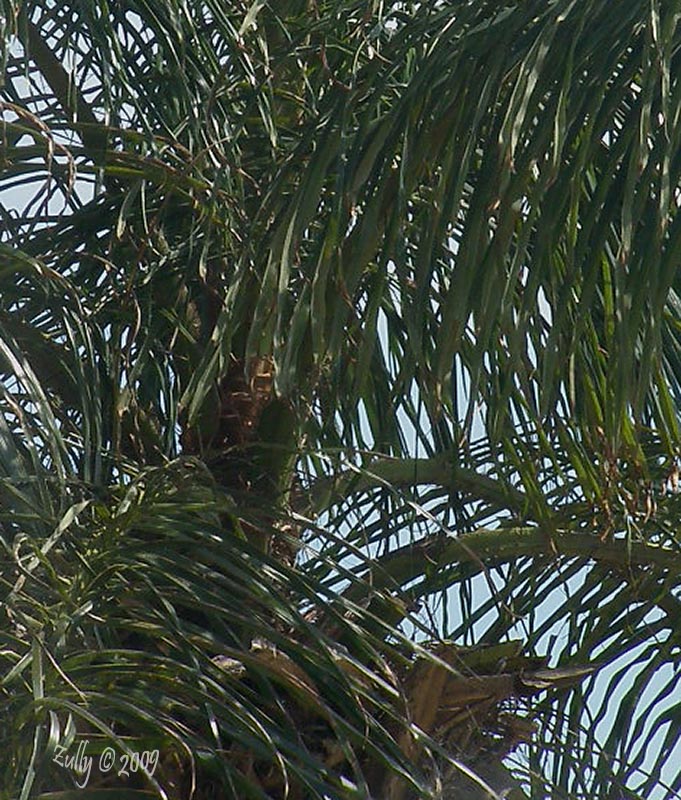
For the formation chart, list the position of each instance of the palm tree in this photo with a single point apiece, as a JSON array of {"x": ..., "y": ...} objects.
[{"x": 341, "y": 357}]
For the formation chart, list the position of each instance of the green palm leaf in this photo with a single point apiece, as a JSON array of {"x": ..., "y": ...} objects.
[{"x": 339, "y": 396}]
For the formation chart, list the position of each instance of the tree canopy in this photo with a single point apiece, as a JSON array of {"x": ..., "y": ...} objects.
[{"x": 340, "y": 347}]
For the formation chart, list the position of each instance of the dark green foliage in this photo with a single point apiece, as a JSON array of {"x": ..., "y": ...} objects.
[{"x": 329, "y": 329}]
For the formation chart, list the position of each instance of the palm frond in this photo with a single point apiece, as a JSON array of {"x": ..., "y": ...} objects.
[{"x": 394, "y": 284}]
